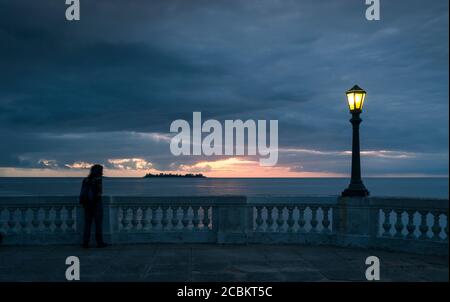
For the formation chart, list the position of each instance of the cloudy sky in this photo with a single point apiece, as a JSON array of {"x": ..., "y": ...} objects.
[{"x": 105, "y": 89}]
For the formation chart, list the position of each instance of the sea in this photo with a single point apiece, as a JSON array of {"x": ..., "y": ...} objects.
[{"x": 393, "y": 187}]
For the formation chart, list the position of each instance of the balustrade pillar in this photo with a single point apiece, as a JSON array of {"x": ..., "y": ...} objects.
[
  {"x": 206, "y": 220},
  {"x": 436, "y": 228},
  {"x": 232, "y": 218},
  {"x": 410, "y": 227},
  {"x": 134, "y": 218},
  {"x": 269, "y": 220},
  {"x": 12, "y": 219},
  {"x": 280, "y": 219},
  {"x": 185, "y": 219},
  {"x": 174, "y": 221},
  {"x": 145, "y": 220},
  {"x": 196, "y": 219},
  {"x": 446, "y": 224},
  {"x": 326, "y": 221},
  {"x": 398, "y": 224},
  {"x": 35, "y": 218},
  {"x": 154, "y": 220},
  {"x": 69, "y": 220},
  {"x": 290, "y": 220},
  {"x": 23, "y": 219},
  {"x": 387, "y": 222},
  {"x": 423, "y": 225},
  {"x": 314, "y": 221},
  {"x": 355, "y": 221},
  {"x": 58, "y": 220},
  {"x": 259, "y": 220},
  {"x": 301, "y": 218},
  {"x": 110, "y": 219}
]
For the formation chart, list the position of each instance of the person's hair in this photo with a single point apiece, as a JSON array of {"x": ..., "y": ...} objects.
[{"x": 96, "y": 171}]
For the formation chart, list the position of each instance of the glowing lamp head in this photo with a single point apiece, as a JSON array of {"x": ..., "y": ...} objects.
[{"x": 355, "y": 99}]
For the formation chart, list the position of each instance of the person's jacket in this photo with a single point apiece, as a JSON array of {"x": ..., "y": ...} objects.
[{"x": 95, "y": 185}]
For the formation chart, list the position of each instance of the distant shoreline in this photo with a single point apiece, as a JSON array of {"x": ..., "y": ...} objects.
[{"x": 170, "y": 175}]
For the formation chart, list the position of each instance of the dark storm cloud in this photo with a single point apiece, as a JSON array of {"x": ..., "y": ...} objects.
[{"x": 134, "y": 67}]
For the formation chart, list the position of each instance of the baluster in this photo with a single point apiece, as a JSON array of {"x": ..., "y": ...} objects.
[
  {"x": 446, "y": 224},
  {"x": 145, "y": 221},
  {"x": 301, "y": 218},
  {"x": 436, "y": 228},
  {"x": 314, "y": 220},
  {"x": 3, "y": 225},
  {"x": 164, "y": 219},
  {"x": 290, "y": 220},
  {"x": 326, "y": 221},
  {"x": 134, "y": 218},
  {"x": 387, "y": 223},
  {"x": 280, "y": 220},
  {"x": 423, "y": 225},
  {"x": 23, "y": 219},
  {"x": 58, "y": 220},
  {"x": 47, "y": 221},
  {"x": 206, "y": 219},
  {"x": 269, "y": 220},
  {"x": 174, "y": 220},
  {"x": 35, "y": 220},
  {"x": 210, "y": 215},
  {"x": 259, "y": 220},
  {"x": 410, "y": 227},
  {"x": 185, "y": 220},
  {"x": 126, "y": 221},
  {"x": 195, "y": 220},
  {"x": 154, "y": 220},
  {"x": 122, "y": 217},
  {"x": 398, "y": 223},
  {"x": 70, "y": 222},
  {"x": 12, "y": 219}
]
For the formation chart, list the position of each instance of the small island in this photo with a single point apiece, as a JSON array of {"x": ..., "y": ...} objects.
[{"x": 170, "y": 175}]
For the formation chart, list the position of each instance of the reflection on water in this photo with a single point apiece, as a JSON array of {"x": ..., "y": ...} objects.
[{"x": 412, "y": 187}]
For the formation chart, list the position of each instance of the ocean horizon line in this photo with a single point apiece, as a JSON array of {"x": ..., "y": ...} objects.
[{"x": 208, "y": 177}]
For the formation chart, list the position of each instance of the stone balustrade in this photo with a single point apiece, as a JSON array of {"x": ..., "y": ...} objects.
[
  {"x": 40, "y": 220},
  {"x": 292, "y": 219},
  {"x": 411, "y": 224},
  {"x": 398, "y": 224},
  {"x": 170, "y": 219}
]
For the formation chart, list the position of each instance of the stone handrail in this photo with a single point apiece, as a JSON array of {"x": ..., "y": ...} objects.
[
  {"x": 398, "y": 224},
  {"x": 289, "y": 219}
]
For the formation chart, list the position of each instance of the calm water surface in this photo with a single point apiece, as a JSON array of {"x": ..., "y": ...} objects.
[{"x": 411, "y": 187}]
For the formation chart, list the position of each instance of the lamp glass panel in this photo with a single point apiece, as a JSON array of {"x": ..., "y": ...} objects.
[
  {"x": 358, "y": 100},
  {"x": 362, "y": 101},
  {"x": 351, "y": 100}
]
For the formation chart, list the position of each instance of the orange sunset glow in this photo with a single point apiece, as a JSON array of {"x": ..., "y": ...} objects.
[{"x": 236, "y": 167}]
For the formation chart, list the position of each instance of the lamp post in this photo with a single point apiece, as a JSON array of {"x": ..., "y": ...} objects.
[{"x": 355, "y": 99}]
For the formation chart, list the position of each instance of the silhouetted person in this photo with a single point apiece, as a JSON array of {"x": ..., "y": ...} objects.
[{"x": 91, "y": 200}]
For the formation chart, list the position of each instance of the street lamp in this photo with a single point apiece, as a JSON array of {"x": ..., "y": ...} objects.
[{"x": 355, "y": 99}]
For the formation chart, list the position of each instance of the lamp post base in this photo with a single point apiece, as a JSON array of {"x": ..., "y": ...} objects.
[{"x": 356, "y": 190}]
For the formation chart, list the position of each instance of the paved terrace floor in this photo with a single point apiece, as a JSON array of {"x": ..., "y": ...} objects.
[{"x": 205, "y": 262}]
